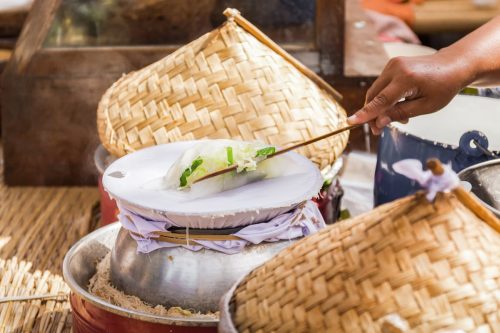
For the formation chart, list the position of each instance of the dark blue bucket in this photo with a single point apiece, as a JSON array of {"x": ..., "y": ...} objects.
[{"x": 464, "y": 133}]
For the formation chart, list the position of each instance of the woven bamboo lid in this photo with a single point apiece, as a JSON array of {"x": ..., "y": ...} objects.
[
  {"x": 435, "y": 266},
  {"x": 230, "y": 83}
]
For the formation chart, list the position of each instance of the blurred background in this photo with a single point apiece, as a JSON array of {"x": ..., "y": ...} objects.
[{"x": 56, "y": 68}]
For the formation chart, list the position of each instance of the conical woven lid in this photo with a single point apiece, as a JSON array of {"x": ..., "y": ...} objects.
[
  {"x": 226, "y": 84},
  {"x": 435, "y": 265}
]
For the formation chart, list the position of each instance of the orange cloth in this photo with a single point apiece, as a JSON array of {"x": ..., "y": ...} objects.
[
  {"x": 406, "y": 1},
  {"x": 399, "y": 8}
]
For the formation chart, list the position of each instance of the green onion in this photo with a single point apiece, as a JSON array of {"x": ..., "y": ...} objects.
[
  {"x": 189, "y": 171},
  {"x": 230, "y": 157},
  {"x": 196, "y": 163},
  {"x": 265, "y": 151},
  {"x": 184, "y": 176}
]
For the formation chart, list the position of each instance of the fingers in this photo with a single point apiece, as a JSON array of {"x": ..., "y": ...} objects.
[
  {"x": 382, "y": 121},
  {"x": 404, "y": 110},
  {"x": 401, "y": 112},
  {"x": 380, "y": 104},
  {"x": 374, "y": 128}
]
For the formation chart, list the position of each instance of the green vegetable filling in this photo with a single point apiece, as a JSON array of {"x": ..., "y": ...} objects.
[
  {"x": 189, "y": 171},
  {"x": 230, "y": 157},
  {"x": 265, "y": 151}
]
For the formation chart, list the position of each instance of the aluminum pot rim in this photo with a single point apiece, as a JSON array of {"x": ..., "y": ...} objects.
[
  {"x": 100, "y": 154},
  {"x": 102, "y": 304},
  {"x": 477, "y": 166}
]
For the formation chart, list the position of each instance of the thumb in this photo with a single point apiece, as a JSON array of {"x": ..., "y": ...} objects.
[{"x": 404, "y": 110}]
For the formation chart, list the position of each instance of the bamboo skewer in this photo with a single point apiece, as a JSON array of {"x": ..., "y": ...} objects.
[
  {"x": 8, "y": 299},
  {"x": 282, "y": 151}
]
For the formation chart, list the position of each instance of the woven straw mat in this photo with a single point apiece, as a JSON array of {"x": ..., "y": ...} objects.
[
  {"x": 435, "y": 267},
  {"x": 226, "y": 84},
  {"x": 38, "y": 225}
]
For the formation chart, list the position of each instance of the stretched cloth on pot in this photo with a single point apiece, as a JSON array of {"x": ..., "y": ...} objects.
[{"x": 302, "y": 221}]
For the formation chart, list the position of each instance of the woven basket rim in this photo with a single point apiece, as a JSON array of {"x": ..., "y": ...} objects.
[{"x": 443, "y": 209}]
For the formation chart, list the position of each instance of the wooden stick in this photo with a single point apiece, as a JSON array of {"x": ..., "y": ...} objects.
[
  {"x": 234, "y": 14},
  {"x": 470, "y": 201},
  {"x": 282, "y": 151},
  {"x": 435, "y": 166}
]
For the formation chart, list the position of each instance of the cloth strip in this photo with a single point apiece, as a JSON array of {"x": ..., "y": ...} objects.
[{"x": 302, "y": 221}]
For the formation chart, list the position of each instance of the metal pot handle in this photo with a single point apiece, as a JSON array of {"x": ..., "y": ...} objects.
[{"x": 475, "y": 143}]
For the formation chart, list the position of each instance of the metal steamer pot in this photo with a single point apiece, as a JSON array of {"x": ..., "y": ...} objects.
[
  {"x": 92, "y": 314},
  {"x": 109, "y": 209},
  {"x": 180, "y": 277},
  {"x": 483, "y": 180},
  {"x": 190, "y": 279},
  {"x": 463, "y": 133}
]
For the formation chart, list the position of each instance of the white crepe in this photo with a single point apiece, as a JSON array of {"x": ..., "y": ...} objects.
[{"x": 212, "y": 153}]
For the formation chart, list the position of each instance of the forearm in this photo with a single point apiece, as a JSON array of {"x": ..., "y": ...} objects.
[
  {"x": 477, "y": 55},
  {"x": 413, "y": 86}
]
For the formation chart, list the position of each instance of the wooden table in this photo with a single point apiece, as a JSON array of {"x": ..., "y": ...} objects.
[{"x": 451, "y": 15}]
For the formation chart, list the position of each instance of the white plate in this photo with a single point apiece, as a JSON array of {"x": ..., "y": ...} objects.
[{"x": 126, "y": 180}]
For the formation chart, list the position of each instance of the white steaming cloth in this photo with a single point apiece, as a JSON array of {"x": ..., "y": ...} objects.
[{"x": 303, "y": 221}]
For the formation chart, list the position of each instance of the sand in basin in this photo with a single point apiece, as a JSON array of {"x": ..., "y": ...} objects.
[{"x": 100, "y": 285}]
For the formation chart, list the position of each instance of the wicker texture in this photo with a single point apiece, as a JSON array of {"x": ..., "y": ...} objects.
[
  {"x": 436, "y": 266},
  {"x": 38, "y": 225},
  {"x": 226, "y": 84}
]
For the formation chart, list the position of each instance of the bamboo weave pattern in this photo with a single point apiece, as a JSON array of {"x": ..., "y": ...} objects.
[
  {"x": 225, "y": 84},
  {"x": 436, "y": 266}
]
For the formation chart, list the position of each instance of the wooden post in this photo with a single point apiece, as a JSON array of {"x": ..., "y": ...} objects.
[{"x": 330, "y": 17}]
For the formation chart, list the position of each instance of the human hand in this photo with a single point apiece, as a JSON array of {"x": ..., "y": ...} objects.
[{"x": 412, "y": 86}]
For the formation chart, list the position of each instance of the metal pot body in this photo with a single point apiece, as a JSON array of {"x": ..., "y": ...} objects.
[
  {"x": 464, "y": 133},
  {"x": 109, "y": 209},
  {"x": 93, "y": 314},
  {"x": 181, "y": 277},
  {"x": 88, "y": 318}
]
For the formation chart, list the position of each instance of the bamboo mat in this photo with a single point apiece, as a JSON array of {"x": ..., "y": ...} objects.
[{"x": 37, "y": 226}]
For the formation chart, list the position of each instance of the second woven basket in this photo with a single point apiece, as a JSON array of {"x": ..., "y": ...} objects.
[
  {"x": 408, "y": 266},
  {"x": 229, "y": 83}
]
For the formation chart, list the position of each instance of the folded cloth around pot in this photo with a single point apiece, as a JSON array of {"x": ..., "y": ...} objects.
[{"x": 302, "y": 221}]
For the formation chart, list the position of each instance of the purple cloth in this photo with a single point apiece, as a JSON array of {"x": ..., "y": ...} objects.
[
  {"x": 302, "y": 221},
  {"x": 413, "y": 169}
]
